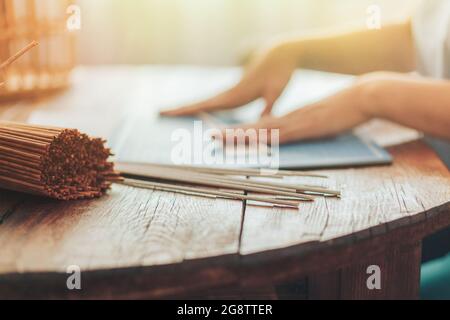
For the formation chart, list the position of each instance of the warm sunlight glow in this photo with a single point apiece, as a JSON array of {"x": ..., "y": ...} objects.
[{"x": 210, "y": 31}]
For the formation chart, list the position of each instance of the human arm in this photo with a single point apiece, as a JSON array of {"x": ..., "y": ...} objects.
[
  {"x": 416, "y": 102},
  {"x": 390, "y": 48}
]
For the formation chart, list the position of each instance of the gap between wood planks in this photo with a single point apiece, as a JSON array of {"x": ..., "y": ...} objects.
[{"x": 241, "y": 231}]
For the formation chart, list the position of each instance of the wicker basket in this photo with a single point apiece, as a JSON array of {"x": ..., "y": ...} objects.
[{"x": 46, "y": 67}]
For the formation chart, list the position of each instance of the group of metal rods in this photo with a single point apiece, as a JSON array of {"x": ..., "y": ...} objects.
[
  {"x": 249, "y": 172},
  {"x": 228, "y": 180}
]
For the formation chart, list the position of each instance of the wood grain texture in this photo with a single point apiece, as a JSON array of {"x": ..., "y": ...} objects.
[
  {"x": 374, "y": 200},
  {"x": 129, "y": 227},
  {"x": 137, "y": 243}
]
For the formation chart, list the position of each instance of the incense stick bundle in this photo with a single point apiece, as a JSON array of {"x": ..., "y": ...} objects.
[{"x": 53, "y": 162}]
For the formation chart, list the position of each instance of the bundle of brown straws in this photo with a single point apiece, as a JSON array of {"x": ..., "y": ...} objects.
[
  {"x": 223, "y": 183},
  {"x": 53, "y": 162}
]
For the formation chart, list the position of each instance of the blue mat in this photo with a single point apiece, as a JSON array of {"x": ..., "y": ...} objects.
[{"x": 144, "y": 140}]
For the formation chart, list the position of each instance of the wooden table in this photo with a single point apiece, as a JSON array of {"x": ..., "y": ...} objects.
[{"x": 137, "y": 243}]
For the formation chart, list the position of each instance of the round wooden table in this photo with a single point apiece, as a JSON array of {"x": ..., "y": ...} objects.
[{"x": 136, "y": 243}]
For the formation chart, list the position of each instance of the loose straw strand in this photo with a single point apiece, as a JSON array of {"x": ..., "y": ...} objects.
[{"x": 18, "y": 55}]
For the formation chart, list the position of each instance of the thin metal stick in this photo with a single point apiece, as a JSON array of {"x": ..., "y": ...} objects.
[
  {"x": 200, "y": 191},
  {"x": 227, "y": 171}
]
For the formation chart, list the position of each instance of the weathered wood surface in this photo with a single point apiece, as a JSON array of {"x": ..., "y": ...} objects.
[
  {"x": 137, "y": 243},
  {"x": 374, "y": 200}
]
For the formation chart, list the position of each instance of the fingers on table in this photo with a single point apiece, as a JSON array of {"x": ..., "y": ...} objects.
[
  {"x": 250, "y": 133},
  {"x": 270, "y": 99},
  {"x": 271, "y": 94},
  {"x": 233, "y": 98}
]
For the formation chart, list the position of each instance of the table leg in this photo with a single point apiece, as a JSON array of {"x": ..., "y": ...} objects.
[{"x": 394, "y": 274}]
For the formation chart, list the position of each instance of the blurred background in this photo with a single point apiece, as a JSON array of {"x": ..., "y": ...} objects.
[
  {"x": 168, "y": 32},
  {"x": 210, "y": 32}
]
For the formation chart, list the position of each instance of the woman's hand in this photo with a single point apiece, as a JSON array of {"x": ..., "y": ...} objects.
[
  {"x": 329, "y": 117},
  {"x": 266, "y": 77},
  {"x": 410, "y": 100}
]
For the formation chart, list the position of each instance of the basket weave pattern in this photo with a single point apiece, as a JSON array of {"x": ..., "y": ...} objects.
[{"x": 48, "y": 66}]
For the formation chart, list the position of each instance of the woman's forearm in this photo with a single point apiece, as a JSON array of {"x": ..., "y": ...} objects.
[
  {"x": 419, "y": 103},
  {"x": 388, "y": 49}
]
